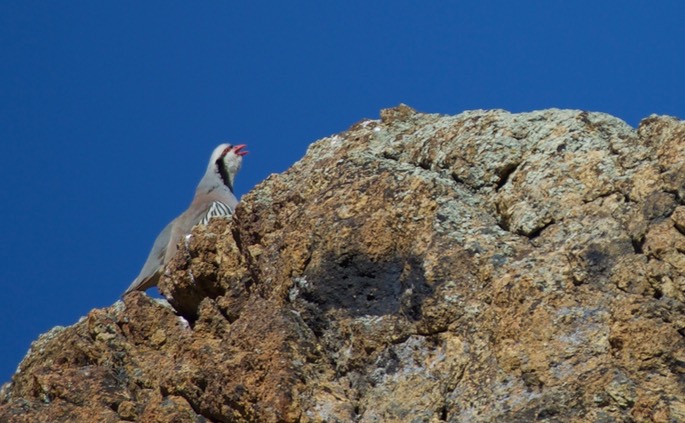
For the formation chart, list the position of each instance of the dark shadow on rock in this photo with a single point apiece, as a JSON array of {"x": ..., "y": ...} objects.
[{"x": 358, "y": 286}]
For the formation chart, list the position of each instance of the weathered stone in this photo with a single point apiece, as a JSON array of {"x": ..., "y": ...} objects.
[{"x": 481, "y": 267}]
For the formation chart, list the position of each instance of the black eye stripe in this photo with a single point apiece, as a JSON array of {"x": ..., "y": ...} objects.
[{"x": 223, "y": 172}]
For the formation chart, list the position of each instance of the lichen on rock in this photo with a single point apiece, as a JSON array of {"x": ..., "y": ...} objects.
[{"x": 486, "y": 266}]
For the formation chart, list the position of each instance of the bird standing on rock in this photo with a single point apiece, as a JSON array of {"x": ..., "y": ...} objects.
[{"x": 213, "y": 198}]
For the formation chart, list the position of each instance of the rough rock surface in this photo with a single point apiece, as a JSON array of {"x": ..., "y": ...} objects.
[{"x": 418, "y": 268}]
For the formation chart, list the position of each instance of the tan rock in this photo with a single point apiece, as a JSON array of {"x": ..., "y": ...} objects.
[{"x": 481, "y": 267}]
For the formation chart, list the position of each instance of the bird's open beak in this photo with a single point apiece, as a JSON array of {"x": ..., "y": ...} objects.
[{"x": 238, "y": 150}]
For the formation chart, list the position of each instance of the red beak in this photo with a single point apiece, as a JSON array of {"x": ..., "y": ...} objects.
[{"x": 238, "y": 150}]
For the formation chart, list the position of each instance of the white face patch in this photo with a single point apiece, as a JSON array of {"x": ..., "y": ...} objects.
[{"x": 232, "y": 162}]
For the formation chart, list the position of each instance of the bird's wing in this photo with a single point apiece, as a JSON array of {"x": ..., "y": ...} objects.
[{"x": 149, "y": 276}]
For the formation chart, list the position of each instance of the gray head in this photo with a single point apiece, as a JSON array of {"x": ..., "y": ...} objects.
[{"x": 223, "y": 165}]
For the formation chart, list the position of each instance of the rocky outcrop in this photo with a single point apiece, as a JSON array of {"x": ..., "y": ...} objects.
[{"x": 481, "y": 267}]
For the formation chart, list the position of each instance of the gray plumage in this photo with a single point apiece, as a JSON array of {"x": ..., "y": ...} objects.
[{"x": 213, "y": 198}]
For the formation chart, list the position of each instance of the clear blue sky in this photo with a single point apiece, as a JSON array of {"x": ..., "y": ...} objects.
[{"x": 109, "y": 110}]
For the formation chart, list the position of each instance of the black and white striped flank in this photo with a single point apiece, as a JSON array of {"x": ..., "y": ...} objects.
[{"x": 217, "y": 209}]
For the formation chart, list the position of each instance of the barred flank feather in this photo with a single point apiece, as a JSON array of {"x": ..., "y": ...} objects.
[{"x": 218, "y": 209}]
